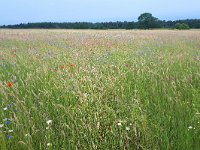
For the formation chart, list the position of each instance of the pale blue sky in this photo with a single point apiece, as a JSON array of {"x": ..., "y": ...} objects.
[{"x": 23, "y": 11}]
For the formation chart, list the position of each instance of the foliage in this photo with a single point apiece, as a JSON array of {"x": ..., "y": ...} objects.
[
  {"x": 147, "y": 21},
  {"x": 182, "y": 26}
]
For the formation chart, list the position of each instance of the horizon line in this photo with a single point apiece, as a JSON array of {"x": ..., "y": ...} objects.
[{"x": 90, "y": 21}]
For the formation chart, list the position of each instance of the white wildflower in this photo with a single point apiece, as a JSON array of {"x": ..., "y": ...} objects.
[
  {"x": 127, "y": 128},
  {"x": 98, "y": 125},
  {"x": 49, "y": 122},
  {"x": 190, "y": 127},
  {"x": 49, "y": 144},
  {"x": 5, "y": 108},
  {"x": 119, "y": 124},
  {"x": 10, "y": 131},
  {"x": 1, "y": 125}
]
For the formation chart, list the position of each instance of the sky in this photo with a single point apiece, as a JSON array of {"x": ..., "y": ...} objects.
[{"x": 24, "y": 11}]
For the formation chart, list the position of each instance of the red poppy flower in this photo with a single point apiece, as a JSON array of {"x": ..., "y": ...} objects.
[
  {"x": 71, "y": 65},
  {"x": 10, "y": 84},
  {"x": 62, "y": 67}
]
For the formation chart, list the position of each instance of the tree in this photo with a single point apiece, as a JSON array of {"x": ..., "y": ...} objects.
[
  {"x": 182, "y": 26},
  {"x": 147, "y": 21}
]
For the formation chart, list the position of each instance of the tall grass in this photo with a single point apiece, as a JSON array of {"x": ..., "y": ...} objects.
[{"x": 68, "y": 89}]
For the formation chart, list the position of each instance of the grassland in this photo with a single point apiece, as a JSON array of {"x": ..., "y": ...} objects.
[{"x": 115, "y": 89}]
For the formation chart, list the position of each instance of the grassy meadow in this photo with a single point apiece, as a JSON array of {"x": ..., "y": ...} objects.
[{"x": 105, "y": 90}]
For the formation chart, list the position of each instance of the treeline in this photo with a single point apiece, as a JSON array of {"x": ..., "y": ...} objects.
[
  {"x": 145, "y": 21},
  {"x": 74, "y": 25},
  {"x": 192, "y": 23}
]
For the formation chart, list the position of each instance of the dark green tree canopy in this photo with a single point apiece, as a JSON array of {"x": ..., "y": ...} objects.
[
  {"x": 182, "y": 26},
  {"x": 145, "y": 21},
  {"x": 148, "y": 21}
]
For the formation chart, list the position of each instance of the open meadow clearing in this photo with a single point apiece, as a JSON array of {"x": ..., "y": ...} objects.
[{"x": 99, "y": 89}]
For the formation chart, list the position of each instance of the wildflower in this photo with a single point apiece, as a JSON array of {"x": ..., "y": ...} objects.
[
  {"x": 127, "y": 128},
  {"x": 1, "y": 125},
  {"x": 98, "y": 125},
  {"x": 7, "y": 122},
  {"x": 5, "y": 119},
  {"x": 5, "y": 108},
  {"x": 119, "y": 124},
  {"x": 71, "y": 65},
  {"x": 9, "y": 84},
  {"x": 62, "y": 67},
  {"x": 8, "y": 136},
  {"x": 49, "y": 122},
  {"x": 9, "y": 105},
  {"x": 49, "y": 144},
  {"x": 10, "y": 131},
  {"x": 190, "y": 127}
]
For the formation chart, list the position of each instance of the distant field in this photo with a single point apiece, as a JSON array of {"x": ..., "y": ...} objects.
[{"x": 90, "y": 89}]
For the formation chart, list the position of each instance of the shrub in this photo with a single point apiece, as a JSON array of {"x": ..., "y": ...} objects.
[{"x": 182, "y": 26}]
